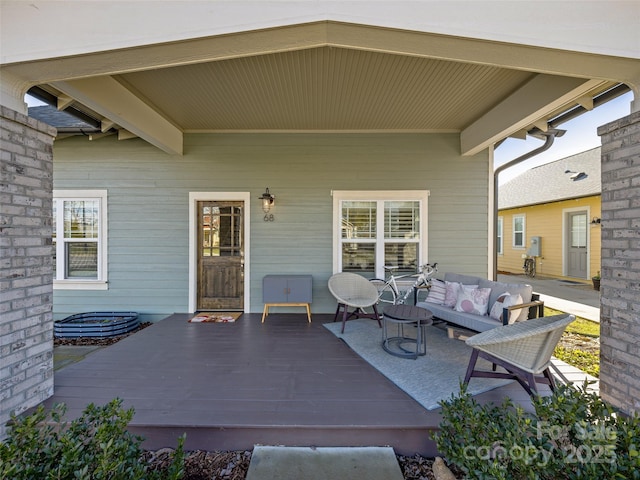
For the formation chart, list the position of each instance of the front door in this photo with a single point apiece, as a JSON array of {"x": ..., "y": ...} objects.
[
  {"x": 220, "y": 255},
  {"x": 577, "y": 245}
]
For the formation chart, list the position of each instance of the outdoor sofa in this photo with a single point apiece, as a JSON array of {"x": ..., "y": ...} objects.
[{"x": 478, "y": 304}]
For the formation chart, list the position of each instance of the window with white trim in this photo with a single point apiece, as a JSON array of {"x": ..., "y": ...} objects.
[
  {"x": 378, "y": 229},
  {"x": 500, "y": 236},
  {"x": 80, "y": 239},
  {"x": 518, "y": 231}
]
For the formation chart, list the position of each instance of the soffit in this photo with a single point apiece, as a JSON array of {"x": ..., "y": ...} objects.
[
  {"x": 322, "y": 77},
  {"x": 325, "y": 89}
]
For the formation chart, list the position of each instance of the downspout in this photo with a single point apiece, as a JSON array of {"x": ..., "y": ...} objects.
[{"x": 550, "y": 136}]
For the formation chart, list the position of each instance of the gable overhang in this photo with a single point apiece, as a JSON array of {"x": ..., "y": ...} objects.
[{"x": 325, "y": 76}]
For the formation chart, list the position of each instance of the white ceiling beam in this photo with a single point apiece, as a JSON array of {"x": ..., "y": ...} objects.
[
  {"x": 98, "y": 136},
  {"x": 537, "y": 99},
  {"x": 125, "y": 134},
  {"x": 63, "y": 102},
  {"x": 115, "y": 102},
  {"x": 520, "y": 135},
  {"x": 586, "y": 102},
  {"x": 541, "y": 125},
  {"x": 106, "y": 124}
]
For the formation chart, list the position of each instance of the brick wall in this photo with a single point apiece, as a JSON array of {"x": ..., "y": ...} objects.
[
  {"x": 26, "y": 322},
  {"x": 620, "y": 284}
]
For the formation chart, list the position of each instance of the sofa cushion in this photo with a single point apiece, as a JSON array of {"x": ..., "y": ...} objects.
[
  {"x": 472, "y": 299},
  {"x": 471, "y": 321},
  {"x": 437, "y": 292},
  {"x": 498, "y": 288},
  {"x": 503, "y": 301}
]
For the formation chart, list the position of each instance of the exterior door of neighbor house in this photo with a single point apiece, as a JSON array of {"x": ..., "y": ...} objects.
[
  {"x": 220, "y": 255},
  {"x": 577, "y": 245}
]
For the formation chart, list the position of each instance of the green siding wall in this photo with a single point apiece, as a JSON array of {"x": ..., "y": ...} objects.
[{"x": 148, "y": 205}]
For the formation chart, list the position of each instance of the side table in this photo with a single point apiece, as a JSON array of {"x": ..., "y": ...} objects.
[
  {"x": 287, "y": 291},
  {"x": 401, "y": 316}
]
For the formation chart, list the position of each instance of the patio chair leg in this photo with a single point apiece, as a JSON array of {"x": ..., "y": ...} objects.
[
  {"x": 549, "y": 376},
  {"x": 531, "y": 378},
  {"x": 375, "y": 311},
  {"x": 344, "y": 318},
  {"x": 335, "y": 317},
  {"x": 471, "y": 367}
]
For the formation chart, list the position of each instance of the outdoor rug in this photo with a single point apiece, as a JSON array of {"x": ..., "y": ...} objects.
[
  {"x": 215, "y": 317},
  {"x": 428, "y": 379}
]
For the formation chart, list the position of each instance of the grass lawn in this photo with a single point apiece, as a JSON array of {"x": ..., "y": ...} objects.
[{"x": 579, "y": 345}]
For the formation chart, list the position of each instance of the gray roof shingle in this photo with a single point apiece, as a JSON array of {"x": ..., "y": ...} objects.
[{"x": 549, "y": 182}]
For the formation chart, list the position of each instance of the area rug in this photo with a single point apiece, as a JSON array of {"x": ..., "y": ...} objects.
[
  {"x": 215, "y": 317},
  {"x": 428, "y": 379}
]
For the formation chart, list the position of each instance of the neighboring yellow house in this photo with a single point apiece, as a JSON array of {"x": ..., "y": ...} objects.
[{"x": 552, "y": 212}]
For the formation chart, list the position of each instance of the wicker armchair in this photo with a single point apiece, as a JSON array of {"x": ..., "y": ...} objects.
[
  {"x": 523, "y": 349},
  {"x": 355, "y": 291}
]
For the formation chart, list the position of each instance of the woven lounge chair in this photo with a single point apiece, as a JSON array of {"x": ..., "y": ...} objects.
[
  {"x": 523, "y": 349},
  {"x": 354, "y": 291}
]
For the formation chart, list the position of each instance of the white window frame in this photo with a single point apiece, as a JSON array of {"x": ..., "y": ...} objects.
[
  {"x": 500, "y": 236},
  {"x": 101, "y": 282},
  {"x": 379, "y": 196},
  {"x": 524, "y": 231}
]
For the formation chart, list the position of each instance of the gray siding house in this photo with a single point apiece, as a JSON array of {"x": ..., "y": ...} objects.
[{"x": 150, "y": 264}]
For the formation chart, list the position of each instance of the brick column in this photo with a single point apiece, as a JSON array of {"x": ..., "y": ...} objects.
[
  {"x": 26, "y": 291},
  {"x": 620, "y": 284}
]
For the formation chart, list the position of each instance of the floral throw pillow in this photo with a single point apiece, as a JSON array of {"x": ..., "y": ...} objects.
[
  {"x": 506, "y": 300},
  {"x": 472, "y": 299},
  {"x": 437, "y": 292},
  {"x": 451, "y": 293}
]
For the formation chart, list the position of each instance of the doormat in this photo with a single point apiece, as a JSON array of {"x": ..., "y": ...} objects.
[{"x": 215, "y": 317}]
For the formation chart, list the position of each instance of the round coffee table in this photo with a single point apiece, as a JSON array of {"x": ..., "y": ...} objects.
[{"x": 401, "y": 316}]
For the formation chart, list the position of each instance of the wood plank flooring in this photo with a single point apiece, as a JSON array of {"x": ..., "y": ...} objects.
[{"x": 231, "y": 386}]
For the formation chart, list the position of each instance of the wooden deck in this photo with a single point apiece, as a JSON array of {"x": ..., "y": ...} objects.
[{"x": 231, "y": 386}]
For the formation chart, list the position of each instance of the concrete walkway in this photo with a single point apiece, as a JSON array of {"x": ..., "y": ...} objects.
[
  {"x": 308, "y": 463},
  {"x": 579, "y": 299}
]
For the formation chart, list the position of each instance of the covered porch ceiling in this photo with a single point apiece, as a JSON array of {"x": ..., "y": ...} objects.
[{"x": 323, "y": 77}]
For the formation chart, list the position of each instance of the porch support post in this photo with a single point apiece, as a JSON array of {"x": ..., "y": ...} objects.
[
  {"x": 26, "y": 255},
  {"x": 620, "y": 271}
]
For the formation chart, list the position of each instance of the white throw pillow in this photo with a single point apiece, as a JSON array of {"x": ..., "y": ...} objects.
[
  {"x": 472, "y": 299},
  {"x": 437, "y": 292},
  {"x": 503, "y": 301}
]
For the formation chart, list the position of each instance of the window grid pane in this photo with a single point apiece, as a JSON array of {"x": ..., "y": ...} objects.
[
  {"x": 359, "y": 258},
  {"x": 401, "y": 219},
  {"x": 81, "y": 219},
  {"x": 359, "y": 220},
  {"x": 402, "y": 255},
  {"x": 81, "y": 259}
]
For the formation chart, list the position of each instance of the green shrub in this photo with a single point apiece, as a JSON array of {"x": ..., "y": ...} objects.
[
  {"x": 573, "y": 434},
  {"x": 95, "y": 446}
]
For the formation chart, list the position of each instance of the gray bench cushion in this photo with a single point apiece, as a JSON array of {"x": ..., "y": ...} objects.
[{"x": 471, "y": 321}]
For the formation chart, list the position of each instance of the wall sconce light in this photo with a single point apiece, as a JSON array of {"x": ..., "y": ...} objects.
[
  {"x": 268, "y": 201},
  {"x": 595, "y": 221}
]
